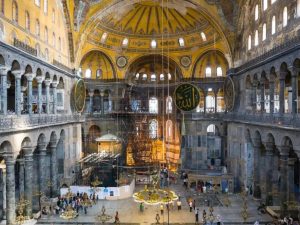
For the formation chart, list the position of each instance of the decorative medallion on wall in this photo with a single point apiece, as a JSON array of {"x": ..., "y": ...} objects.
[
  {"x": 186, "y": 97},
  {"x": 229, "y": 93},
  {"x": 185, "y": 61},
  {"x": 121, "y": 61},
  {"x": 79, "y": 95}
]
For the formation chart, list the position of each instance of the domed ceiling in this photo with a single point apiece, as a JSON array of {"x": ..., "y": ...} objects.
[{"x": 151, "y": 19}]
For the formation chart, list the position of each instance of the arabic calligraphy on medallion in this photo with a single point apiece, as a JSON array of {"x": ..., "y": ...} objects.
[{"x": 187, "y": 97}]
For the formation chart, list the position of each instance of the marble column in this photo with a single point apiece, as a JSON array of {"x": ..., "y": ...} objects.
[
  {"x": 205, "y": 94},
  {"x": 283, "y": 184},
  {"x": 21, "y": 177},
  {"x": 291, "y": 174},
  {"x": 17, "y": 75},
  {"x": 91, "y": 94},
  {"x": 254, "y": 97},
  {"x": 28, "y": 156},
  {"x": 295, "y": 91},
  {"x": 269, "y": 146},
  {"x": 29, "y": 92},
  {"x": 281, "y": 92},
  {"x": 262, "y": 96},
  {"x": 102, "y": 101},
  {"x": 3, "y": 74},
  {"x": 272, "y": 92},
  {"x": 216, "y": 101},
  {"x": 40, "y": 96},
  {"x": 10, "y": 190},
  {"x": 47, "y": 83},
  {"x": 42, "y": 155},
  {"x": 257, "y": 145},
  {"x": 53, "y": 169},
  {"x": 54, "y": 89}
]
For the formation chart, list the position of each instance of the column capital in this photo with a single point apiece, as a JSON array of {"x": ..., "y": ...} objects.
[
  {"x": 102, "y": 93},
  {"x": 269, "y": 146},
  {"x": 296, "y": 71},
  {"x": 91, "y": 93},
  {"x": 54, "y": 84},
  {"x": 284, "y": 150},
  {"x": 256, "y": 142},
  {"x": 292, "y": 161},
  {"x": 17, "y": 73},
  {"x": 282, "y": 75},
  {"x": 28, "y": 151},
  {"x": 42, "y": 147},
  {"x": 53, "y": 144},
  {"x": 39, "y": 79},
  {"x": 21, "y": 161},
  {"x": 4, "y": 70},
  {"x": 47, "y": 82},
  {"x": 9, "y": 159},
  {"x": 30, "y": 76}
]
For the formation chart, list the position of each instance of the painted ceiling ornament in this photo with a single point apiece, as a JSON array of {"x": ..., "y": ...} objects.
[
  {"x": 229, "y": 93},
  {"x": 185, "y": 61},
  {"x": 121, "y": 61},
  {"x": 187, "y": 97},
  {"x": 79, "y": 95}
]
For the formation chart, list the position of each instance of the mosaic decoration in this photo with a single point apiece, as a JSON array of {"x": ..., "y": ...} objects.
[
  {"x": 121, "y": 61},
  {"x": 185, "y": 61}
]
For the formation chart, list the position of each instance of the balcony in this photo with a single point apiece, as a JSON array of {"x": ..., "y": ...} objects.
[{"x": 25, "y": 122}]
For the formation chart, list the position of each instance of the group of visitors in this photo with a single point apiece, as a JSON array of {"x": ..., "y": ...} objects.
[{"x": 81, "y": 201}]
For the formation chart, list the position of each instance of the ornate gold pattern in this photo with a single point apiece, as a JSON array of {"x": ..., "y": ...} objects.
[
  {"x": 79, "y": 95},
  {"x": 229, "y": 94}
]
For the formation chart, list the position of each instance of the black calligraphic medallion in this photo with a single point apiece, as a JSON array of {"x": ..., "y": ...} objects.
[
  {"x": 229, "y": 93},
  {"x": 79, "y": 95},
  {"x": 186, "y": 97}
]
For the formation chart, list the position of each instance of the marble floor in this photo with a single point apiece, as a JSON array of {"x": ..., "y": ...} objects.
[{"x": 129, "y": 211}]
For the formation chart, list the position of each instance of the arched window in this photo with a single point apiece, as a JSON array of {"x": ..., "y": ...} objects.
[
  {"x": 265, "y": 5},
  {"x": 103, "y": 37},
  {"x": 162, "y": 76},
  {"x": 169, "y": 104},
  {"x": 15, "y": 11},
  {"x": 37, "y": 27},
  {"x": 181, "y": 42},
  {"x": 27, "y": 20},
  {"x": 59, "y": 44},
  {"x": 169, "y": 76},
  {"x": 211, "y": 129},
  {"x": 210, "y": 101},
  {"x": 169, "y": 130},
  {"x": 203, "y": 36},
  {"x": 46, "y": 34},
  {"x": 153, "y": 105},
  {"x": 273, "y": 25},
  {"x": 37, "y": 2},
  {"x": 45, "y": 6},
  {"x": 53, "y": 16},
  {"x": 38, "y": 49},
  {"x": 208, "y": 72},
  {"x": 264, "y": 33},
  {"x": 285, "y": 17},
  {"x": 88, "y": 73},
  {"x": 2, "y": 6},
  {"x": 153, "y": 44},
  {"x": 256, "y": 12},
  {"x": 99, "y": 74},
  {"x": 1, "y": 31},
  {"x": 249, "y": 42},
  {"x": 219, "y": 71},
  {"x": 125, "y": 42},
  {"x": 298, "y": 8},
  {"x": 53, "y": 39},
  {"x": 153, "y": 77},
  {"x": 137, "y": 76},
  {"x": 153, "y": 125},
  {"x": 256, "y": 38},
  {"x": 46, "y": 54},
  {"x": 144, "y": 76}
]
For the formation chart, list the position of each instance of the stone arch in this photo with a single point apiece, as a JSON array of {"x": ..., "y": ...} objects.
[
  {"x": 47, "y": 76},
  {"x": 6, "y": 147},
  {"x": 212, "y": 129},
  {"x": 15, "y": 65},
  {"x": 61, "y": 84},
  {"x": 2, "y": 60},
  {"x": 287, "y": 141},
  {"x": 53, "y": 137},
  {"x": 41, "y": 139},
  {"x": 28, "y": 69}
]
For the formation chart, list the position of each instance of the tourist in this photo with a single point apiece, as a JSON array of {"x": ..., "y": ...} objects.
[
  {"x": 179, "y": 205},
  {"x": 194, "y": 204},
  {"x": 161, "y": 209},
  {"x": 191, "y": 205},
  {"x": 117, "y": 220},
  {"x": 157, "y": 218},
  {"x": 197, "y": 215},
  {"x": 141, "y": 207},
  {"x": 204, "y": 216}
]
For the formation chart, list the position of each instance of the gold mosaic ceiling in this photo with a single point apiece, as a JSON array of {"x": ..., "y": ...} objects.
[{"x": 152, "y": 18}]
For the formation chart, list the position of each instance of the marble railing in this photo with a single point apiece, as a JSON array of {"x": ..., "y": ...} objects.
[{"x": 23, "y": 122}]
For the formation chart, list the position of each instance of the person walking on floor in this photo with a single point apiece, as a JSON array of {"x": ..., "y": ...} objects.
[
  {"x": 161, "y": 209},
  {"x": 179, "y": 205},
  {"x": 197, "y": 216},
  {"x": 191, "y": 205}
]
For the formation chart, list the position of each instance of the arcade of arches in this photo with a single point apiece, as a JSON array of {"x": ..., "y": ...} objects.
[{"x": 243, "y": 56}]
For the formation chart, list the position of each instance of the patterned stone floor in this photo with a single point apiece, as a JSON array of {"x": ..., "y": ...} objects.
[{"x": 129, "y": 211}]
